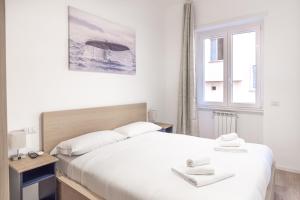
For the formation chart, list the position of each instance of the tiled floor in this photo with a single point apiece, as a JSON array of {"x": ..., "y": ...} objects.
[{"x": 287, "y": 186}]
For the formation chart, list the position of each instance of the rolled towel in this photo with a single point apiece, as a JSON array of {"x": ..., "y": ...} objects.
[
  {"x": 197, "y": 162},
  {"x": 234, "y": 143},
  {"x": 202, "y": 180},
  {"x": 200, "y": 170},
  {"x": 229, "y": 137}
]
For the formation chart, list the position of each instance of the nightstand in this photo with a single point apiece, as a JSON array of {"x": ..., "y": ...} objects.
[
  {"x": 165, "y": 127},
  {"x": 33, "y": 179}
]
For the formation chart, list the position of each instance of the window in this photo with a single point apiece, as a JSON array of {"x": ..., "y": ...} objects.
[
  {"x": 228, "y": 65},
  {"x": 216, "y": 49}
]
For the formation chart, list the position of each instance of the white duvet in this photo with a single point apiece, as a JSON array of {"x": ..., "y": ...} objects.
[{"x": 140, "y": 169}]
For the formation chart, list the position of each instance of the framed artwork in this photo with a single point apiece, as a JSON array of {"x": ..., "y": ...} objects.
[{"x": 98, "y": 45}]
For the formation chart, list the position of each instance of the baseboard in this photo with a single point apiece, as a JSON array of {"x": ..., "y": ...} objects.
[{"x": 297, "y": 171}]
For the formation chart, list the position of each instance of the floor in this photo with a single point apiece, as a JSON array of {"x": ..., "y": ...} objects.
[{"x": 287, "y": 186}]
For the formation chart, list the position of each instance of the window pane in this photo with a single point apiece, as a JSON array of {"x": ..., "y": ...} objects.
[
  {"x": 213, "y": 70},
  {"x": 216, "y": 49},
  {"x": 220, "y": 49},
  {"x": 213, "y": 50},
  {"x": 244, "y": 67}
]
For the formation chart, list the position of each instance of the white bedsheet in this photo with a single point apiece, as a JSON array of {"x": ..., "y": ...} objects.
[
  {"x": 63, "y": 163},
  {"x": 140, "y": 168}
]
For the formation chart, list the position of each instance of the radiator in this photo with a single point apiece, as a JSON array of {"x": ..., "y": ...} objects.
[{"x": 224, "y": 122}]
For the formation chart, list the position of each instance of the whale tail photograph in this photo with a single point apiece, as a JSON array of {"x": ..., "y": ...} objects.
[{"x": 98, "y": 45}]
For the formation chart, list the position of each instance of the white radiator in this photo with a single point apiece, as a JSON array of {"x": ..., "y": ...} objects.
[{"x": 224, "y": 122}]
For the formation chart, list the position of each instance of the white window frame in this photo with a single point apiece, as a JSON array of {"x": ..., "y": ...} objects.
[{"x": 226, "y": 33}]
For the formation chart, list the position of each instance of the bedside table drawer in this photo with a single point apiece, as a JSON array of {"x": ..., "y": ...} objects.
[
  {"x": 31, "y": 192},
  {"x": 43, "y": 190},
  {"x": 47, "y": 188},
  {"x": 38, "y": 174}
]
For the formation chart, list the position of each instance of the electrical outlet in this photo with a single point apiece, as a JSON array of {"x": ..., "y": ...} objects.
[
  {"x": 30, "y": 130},
  {"x": 275, "y": 103}
]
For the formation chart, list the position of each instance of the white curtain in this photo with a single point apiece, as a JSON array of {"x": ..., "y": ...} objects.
[{"x": 187, "y": 109}]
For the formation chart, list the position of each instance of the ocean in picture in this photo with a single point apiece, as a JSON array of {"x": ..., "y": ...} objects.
[{"x": 98, "y": 45}]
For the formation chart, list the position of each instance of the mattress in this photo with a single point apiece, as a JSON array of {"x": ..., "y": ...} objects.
[{"x": 140, "y": 168}]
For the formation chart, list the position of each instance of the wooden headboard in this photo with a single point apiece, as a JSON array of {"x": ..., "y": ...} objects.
[{"x": 63, "y": 125}]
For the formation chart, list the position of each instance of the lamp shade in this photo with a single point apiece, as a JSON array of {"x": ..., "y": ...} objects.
[
  {"x": 152, "y": 115},
  {"x": 17, "y": 140}
]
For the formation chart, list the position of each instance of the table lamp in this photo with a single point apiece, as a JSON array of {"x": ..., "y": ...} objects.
[
  {"x": 152, "y": 115},
  {"x": 17, "y": 141}
]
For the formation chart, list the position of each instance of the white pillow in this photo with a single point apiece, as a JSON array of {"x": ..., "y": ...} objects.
[
  {"x": 137, "y": 128},
  {"x": 86, "y": 143}
]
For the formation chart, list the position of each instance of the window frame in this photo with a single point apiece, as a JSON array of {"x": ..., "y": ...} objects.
[{"x": 227, "y": 33}]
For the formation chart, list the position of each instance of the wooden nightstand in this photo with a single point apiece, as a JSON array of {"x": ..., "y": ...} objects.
[
  {"x": 33, "y": 179},
  {"x": 165, "y": 127}
]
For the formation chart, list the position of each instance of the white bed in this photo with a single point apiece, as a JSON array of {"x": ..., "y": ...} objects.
[{"x": 140, "y": 168}]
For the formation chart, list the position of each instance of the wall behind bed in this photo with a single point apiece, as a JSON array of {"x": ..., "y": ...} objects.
[
  {"x": 278, "y": 126},
  {"x": 38, "y": 78}
]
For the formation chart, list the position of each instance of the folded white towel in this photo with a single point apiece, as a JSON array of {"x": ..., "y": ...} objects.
[
  {"x": 197, "y": 162},
  {"x": 202, "y": 180},
  {"x": 200, "y": 170},
  {"x": 233, "y": 143},
  {"x": 241, "y": 149},
  {"x": 229, "y": 137}
]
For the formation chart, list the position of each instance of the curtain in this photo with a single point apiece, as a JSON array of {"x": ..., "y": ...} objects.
[{"x": 187, "y": 109}]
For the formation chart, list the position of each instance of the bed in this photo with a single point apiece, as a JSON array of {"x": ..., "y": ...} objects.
[{"x": 139, "y": 167}]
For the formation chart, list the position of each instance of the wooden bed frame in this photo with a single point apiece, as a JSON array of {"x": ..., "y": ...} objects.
[{"x": 62, "y": 125}]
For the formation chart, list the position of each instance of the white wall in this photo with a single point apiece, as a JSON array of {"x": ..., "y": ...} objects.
[
  {"x": 279, "y": 126},
  {"x": 38, "y": 78}
]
